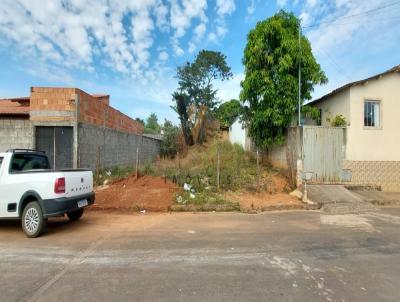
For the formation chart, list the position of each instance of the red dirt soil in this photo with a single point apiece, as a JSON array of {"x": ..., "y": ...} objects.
[
  {"x": 263, "y": 200},
  {"x": 145, "y": 193}
]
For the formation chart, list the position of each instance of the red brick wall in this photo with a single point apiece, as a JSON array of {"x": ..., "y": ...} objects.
[
  {"x": 105, "y": 99},
  {"x": 46, "y": 103},
  {"x": 58, "y": 104},
  {"x": 97, "y": 112}
]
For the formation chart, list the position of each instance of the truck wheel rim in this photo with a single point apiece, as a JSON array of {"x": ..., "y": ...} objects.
[{"x": 32, "y": 220}]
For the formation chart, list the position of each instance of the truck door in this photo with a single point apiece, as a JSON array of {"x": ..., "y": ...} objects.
[{"x": 2, "y": 192}]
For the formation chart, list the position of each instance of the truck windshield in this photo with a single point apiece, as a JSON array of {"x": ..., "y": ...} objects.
[{"x": 24, "y": 162}]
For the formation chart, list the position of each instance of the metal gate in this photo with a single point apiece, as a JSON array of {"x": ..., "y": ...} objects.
[
  {"x": 323, "y": 151},
  {"x": 57, "y": 142}
]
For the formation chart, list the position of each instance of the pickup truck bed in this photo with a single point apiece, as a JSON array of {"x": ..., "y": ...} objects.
[{"x": 26, "y": 179}]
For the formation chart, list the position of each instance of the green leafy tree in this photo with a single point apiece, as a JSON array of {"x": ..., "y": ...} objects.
[
  {"x": 169, "y": 145},
  {"x": 138, "y": 119},
  {"x": 152, "y": 126},
  {"x": 196, "y": 79},
  {"x": 227, "y": 112},
  {"x": 311, "y": 112},
  {"x": 196, "y": 93},
  {"x": 270, "y": 88}
]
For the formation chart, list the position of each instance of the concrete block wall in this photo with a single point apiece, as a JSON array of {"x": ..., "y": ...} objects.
[
  {"x": 16, "y": 133},
  {"x": 106, "y": 148}
]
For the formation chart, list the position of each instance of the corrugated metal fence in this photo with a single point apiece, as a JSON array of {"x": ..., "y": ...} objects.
[{"x": 323, "y": 153}]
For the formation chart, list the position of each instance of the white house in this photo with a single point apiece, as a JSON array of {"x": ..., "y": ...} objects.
[{"x": 371, "y": 108}]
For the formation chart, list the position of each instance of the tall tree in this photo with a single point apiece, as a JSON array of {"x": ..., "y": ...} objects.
[
  {"x": 196, "y": 95},
  {"x": 227, "y": 112},
  {"x": 182, "y": 103},
  {"x": 152, "y": 126},
  {"x": 169, "y": 144},
  {"x": 270, "y": 88}
]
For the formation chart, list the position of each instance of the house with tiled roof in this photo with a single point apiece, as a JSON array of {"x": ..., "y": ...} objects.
[{"x": 370, "y": 109}]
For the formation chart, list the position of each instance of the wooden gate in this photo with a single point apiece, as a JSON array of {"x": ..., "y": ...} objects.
[{"x": 323, "y": 153}]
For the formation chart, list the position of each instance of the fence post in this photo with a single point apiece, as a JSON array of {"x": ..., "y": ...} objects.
[
  {"x": 218, "y": 167},
  {"x": 137, "y": 162},
  {"x": 258, "y": 170}
]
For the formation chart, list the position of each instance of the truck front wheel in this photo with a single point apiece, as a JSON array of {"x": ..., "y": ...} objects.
[
  {"x": 75, "y": 215},
  {"x": 33, "y": 222}
]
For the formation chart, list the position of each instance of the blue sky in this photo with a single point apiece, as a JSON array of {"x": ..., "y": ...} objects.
[{"x": 130, "y": 49}]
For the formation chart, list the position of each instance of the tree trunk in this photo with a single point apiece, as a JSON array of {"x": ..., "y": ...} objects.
[{"x": 184, "y": 118}]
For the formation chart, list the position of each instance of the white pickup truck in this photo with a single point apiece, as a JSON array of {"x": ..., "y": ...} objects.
[{"x": 31, "y": 191}]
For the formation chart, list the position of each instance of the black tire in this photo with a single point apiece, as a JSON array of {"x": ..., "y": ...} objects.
[
  {"x": 75, "y": 215},
  {"x": 33, "y": 222}
]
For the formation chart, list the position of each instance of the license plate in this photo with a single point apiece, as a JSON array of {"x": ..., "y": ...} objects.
[{"x": 82, "y": 203}]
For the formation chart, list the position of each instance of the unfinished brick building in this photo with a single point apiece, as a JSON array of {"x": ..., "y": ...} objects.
[{"x": 75, "y": 129}]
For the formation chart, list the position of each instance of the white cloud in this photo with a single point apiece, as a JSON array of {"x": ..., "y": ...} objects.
[
  {"x": 305, "y": 18},
  {"x": 312, "y": 3},
  {"x": 118, "y": 34},
  {"x": 347, "y": 29},
  {"x": 163, "y": 56},
  {"x": 71, "y": 33},
  {"x": 281, "y": 3},
  {"x": 198, "y": 34},
  {"x": 251, "y": 8},
  {"x": 182, "y": 15},
  {"x": 225, "y": 7},
  {"x": 212, "y": 37},
  {"x": 161, "y": 12},
  {"x": 228, "y": 90},
  {"x": 200, "y": 30}
]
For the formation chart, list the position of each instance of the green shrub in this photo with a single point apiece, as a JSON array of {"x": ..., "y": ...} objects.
[{"x": 338, "y": 121}]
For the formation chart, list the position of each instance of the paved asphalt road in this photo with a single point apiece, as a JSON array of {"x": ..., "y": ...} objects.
[{"x": 287, "y": 256}]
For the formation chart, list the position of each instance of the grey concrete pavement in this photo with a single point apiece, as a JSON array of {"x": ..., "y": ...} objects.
[{"x": 285, "y": 256}]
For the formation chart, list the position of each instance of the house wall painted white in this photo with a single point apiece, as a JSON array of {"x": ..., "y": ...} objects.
[
  {"x": 238, "y": 135},
  {"x": 381, "y": 143},
  {"x": 372, "y": 153}
]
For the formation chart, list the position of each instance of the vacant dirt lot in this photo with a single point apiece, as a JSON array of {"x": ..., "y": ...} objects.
[
  {"x": 145, "y": 193},
  {"x": 264, "y": 201}
]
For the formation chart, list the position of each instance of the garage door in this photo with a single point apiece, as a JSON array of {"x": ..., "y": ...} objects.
[{"x": 57, "y": 142}]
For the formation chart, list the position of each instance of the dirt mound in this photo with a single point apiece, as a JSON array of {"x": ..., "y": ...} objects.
[{"x": 145, "y": 193}]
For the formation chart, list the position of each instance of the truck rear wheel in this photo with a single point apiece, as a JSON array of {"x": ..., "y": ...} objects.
[
  {"x": 33, "y": 222},
  {"x": 75, "y": 215}
]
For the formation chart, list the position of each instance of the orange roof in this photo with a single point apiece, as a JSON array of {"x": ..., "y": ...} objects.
[{"x": 18, "y": 106}]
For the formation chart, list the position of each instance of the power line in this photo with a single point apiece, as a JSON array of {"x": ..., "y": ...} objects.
[
  {"x": 339, "y": 69},
  {"x": 354, "y": 15},
  {"x": 369, "y": 21}
]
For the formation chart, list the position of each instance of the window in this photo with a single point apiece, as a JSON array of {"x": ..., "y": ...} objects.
[
  {"x": 24, "y": 162},
  {"x": 372, "y": 114}
]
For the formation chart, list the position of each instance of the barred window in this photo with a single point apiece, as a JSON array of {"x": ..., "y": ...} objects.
[{"x": 372, "y": 114}]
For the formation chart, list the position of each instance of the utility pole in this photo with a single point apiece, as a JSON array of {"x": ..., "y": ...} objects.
[{"x": 299, "y": 72}]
